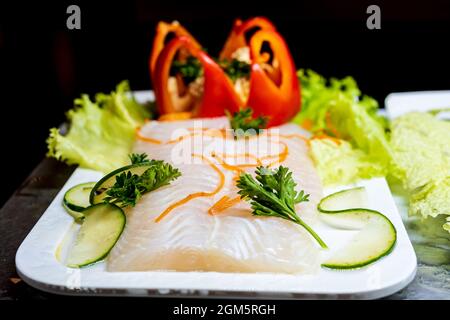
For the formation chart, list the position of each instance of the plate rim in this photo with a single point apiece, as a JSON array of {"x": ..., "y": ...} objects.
[{"x": 27, "y": 274}]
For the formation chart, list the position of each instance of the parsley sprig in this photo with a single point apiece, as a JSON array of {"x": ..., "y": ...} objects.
[
  {"x": 235, "y": 68},
  {"x": 243, "y": 123},
  {"x": 129, "y": 187},
  {"x": 273, "y": 194},
  {"x": 139, "y": 158},
  {"x": 190, "y": 69}
]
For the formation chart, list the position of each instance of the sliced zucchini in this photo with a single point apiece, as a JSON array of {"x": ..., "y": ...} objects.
[
  {"x": 76, "y": 199},
  {"x": 98, "y": 192},
  {"x": 78, "y": 216},
  {"x": 376, "y": 237},
  {"x": 343, "y": 200},
  {"x": 102, "y": 226}
]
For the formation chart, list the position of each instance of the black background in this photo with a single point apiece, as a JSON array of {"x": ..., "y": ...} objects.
[{"x": 44, "y": 66}]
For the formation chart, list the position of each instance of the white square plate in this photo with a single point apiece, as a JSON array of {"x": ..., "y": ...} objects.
[
  {"x": 37, "y": 263},
  {"x": 399, "y": 103}
]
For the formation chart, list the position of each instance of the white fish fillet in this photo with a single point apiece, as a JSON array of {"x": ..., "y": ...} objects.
[{"x": 188, "y": 238}]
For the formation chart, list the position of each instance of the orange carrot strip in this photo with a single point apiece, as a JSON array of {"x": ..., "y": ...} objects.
[
  {"x": 224, "y": 203},
  {"x": 237, "y": 167},
  {"x": 325, "y": 136},
  {"x": 197, "y": 194},
  {"x": 151, "y": 140},
  {"x": 330, "y": 125},
  {"x": 295, "y": 135},
  {"x": 214, "y": 132},
  {"x": 237, "y": 176},
  {"x": 141, "y": 137},
  {"x": 240, "y": 155},
  {"x": 175, "y": 116},
  {"x": 219, "y": 204},
  {"x": 307, "y": 124},
  {"x": 229, "y": 166},
  {"x": 281, "y": 156},
  {"x": 192, "y": 134}
]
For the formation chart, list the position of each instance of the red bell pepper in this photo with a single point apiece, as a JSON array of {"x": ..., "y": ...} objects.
[
  {"x": 237, "y": 39},
  {"x": 218, "y": 93},
  {"x": 163, "y": 29},
  {"x": 274, "y": 87},
  {"x": 279, "y": 101}
]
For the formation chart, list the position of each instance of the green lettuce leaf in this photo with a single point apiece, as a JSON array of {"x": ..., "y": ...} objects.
[
  {"x": 341, "y": 163},
  {"x": 432, "y": 200},
  {"x": 421, "y": 154},
  {"x": 122, "y": 104},
  {"x": 101, "y": 133},
  {"x": 338, "y": 109},
  {"x": 320, "y": 96}
]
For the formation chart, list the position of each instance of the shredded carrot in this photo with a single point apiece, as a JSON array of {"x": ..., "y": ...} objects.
[
  {"x": 176, "y": 140},
  {"x": 209, "y": 132},
  {"x": 228, "y": 166},
  {"x": 221, "y": 130},
  {"x": 237, "y": 176},
  {"x": 281, "y": 156},
  {"x": 141, "y": 137},
  {"x": 240, "y": 155},
  {"x": 247, "y": 165},
  {"x": 295, "y": 135},
  {"x": 217, "y": 134},
  {"x": 224, "y": 203},
  {"x": 330, "y": 125},
  {"x": 219, "y": 204},
  {"x": 307, "y": 124},
  {"x": 175, "y": 116},
  {"x": 214, "y": 132},
  {"x": 325, "y": 136},
  {"x": 201, "y": 129},
  {"x": 181, "y": 138},
  {"x": 196, "y": 194},
  {"x": 237, "y": 167}
]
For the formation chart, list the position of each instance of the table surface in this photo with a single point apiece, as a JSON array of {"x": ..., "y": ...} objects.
[{"x": 24, "y": 208}]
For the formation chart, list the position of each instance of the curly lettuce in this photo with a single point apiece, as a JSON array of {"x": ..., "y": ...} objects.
[
  {"x": 421, "y": 154},
  {"x": 101, "y": 133},
  {"x": 340, "y": 163},
  {"x": 123, "y": 105},
  {"x": 338, "y": 109}
]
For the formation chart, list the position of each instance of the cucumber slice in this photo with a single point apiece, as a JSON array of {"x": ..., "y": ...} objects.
[
  {"x": 76, "y": 199},
  {"x": 102, "y": 226},
  {"x": 78, "y": 216},
  {"x": 98, "y": 192},
  {"x": 375, "y": 240},
  {"x": 376, "y": 237},
  {"x": 344, "y": 200}
]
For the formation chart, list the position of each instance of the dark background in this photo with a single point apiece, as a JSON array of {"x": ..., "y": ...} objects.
[{"x": 44, "y": 66}]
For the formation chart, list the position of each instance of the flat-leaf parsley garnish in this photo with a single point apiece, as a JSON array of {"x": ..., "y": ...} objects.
[
  {"x": 129, "y": 187},
  {"x": 273, "y": 194}
]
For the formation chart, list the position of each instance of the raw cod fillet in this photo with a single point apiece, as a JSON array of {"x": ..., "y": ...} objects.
[{"x": 190, "y": 239}]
